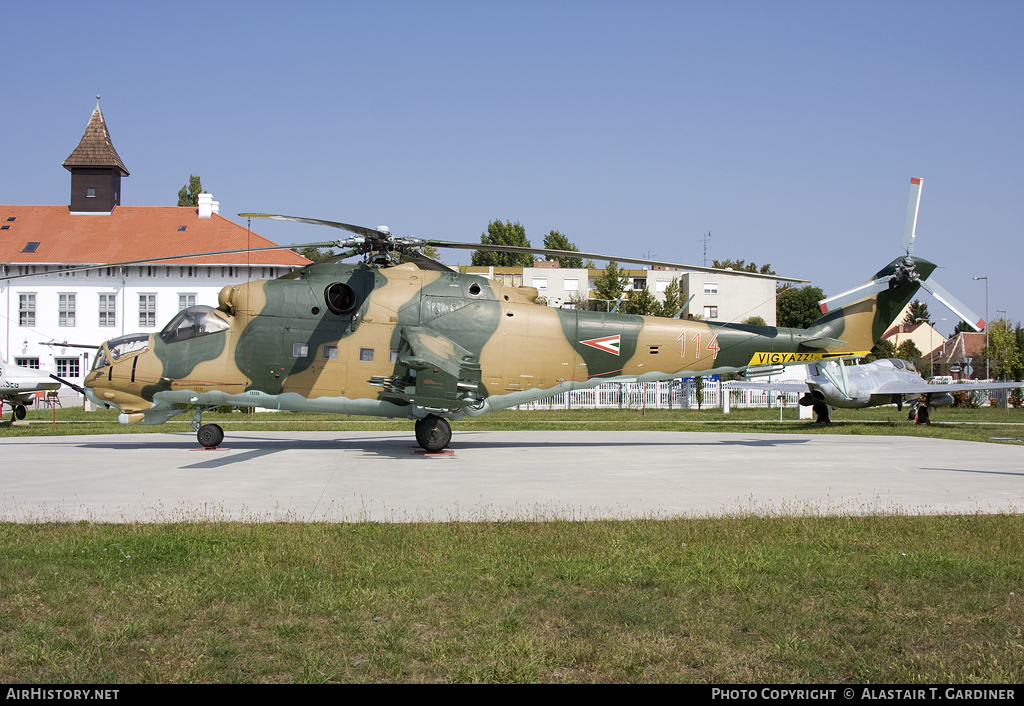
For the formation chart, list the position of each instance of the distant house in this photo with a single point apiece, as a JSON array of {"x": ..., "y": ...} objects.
[
  {"x": 47, "y": 305},
  {"x": 961, "y": 357},
  {"x": 924, "y": 336}
]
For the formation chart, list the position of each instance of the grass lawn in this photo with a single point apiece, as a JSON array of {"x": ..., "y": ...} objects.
[{"x": 883, "y": 599}]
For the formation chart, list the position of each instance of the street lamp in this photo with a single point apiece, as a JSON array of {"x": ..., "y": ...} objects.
[{"x": 986, "y": 324}]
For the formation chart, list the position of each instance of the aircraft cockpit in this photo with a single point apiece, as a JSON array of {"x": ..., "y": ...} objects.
[
  {"x": 902, "y": 364},
  {"x": 120, "y": 347},
  {"x": 193, "y": 322}
]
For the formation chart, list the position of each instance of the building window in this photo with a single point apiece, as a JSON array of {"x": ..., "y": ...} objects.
[
  {"x": 571, "y": 285},
  {"x": 147, "y": 310},
  {"x": 108, "y": 315},
  {"x": 186, "y": 300},
  {"x": 711, "y": 312},
  {"x": 66, "y": 310},
  {"x": 32, "y": 363},
  {"x": 661, "y": 285},
  {"x": 26, "y": 310},
  {"x": 90, "y": 193},
  {"x": 711, "y": 287},
  {"x": 67, "y": 367},
  {"x": 540, "y": 282},
  {"x": 639, "y": 283}
]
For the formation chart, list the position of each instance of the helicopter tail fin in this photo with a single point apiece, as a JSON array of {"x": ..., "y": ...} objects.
[{"x": 860, "y": 316}]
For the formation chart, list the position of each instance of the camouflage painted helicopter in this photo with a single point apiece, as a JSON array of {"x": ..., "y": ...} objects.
[{"x": 400, "y": 335}]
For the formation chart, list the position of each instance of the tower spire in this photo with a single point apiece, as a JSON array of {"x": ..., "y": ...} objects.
[{"x": 96, "y": 169}]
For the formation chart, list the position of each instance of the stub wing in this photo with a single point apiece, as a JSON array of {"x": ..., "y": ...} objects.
[{"x": 432, "y": 372}]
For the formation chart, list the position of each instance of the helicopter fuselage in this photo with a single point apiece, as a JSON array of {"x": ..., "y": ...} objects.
[{"x": 406, "y": 342}]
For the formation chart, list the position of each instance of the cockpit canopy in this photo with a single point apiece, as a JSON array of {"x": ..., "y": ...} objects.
[
  {"x": 193, "y": 322},
  {"x": 901, "y": 364},
  {"x": 120, "y": 347}
]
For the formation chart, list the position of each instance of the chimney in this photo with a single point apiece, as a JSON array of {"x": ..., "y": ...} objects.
[{"x": 206, "y": 205}]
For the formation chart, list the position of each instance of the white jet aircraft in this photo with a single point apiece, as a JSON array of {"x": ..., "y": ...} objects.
[
  {"x": 835, "y": 385},
  {"x": 18, "y": 386}
]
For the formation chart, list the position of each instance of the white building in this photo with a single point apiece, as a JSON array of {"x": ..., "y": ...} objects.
[
  {"x": 718, "y": 297},
  {"x": 46, "y": 305}
]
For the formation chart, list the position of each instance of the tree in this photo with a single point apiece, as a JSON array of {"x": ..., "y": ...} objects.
[
  {"x": 918, "y": 310},
  {"x": 556, "y": 241},
  {"x": 963, "y": 327},
  {"x": 698, "y": 390},
  {"x": 610, "y": 284},
  {"x": 797, "y": 307},
  {"x": 882, "y": 349},
  {"x": 431, "y": 252},
  {"x": 315, "y": 254},
  {"x": 506, "y": 233},
  {"x": 754, "y": 321},
  {"x": 189, "y": 194},
  {"x": 642, "y": 303},
  {"x": 580, "y": 300},
  {"x": 674, "y": 299},
  {"x": 909, "y": 351},
  {"x": 742, "y": 266},
  {"x": 1004, "y": 351}
]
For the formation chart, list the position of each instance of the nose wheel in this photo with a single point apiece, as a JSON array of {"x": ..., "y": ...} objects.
[{"x": 433, "y": 433}]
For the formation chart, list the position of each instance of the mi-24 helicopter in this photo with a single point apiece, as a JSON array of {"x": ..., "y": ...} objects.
[{"x": 400, "y": 335}]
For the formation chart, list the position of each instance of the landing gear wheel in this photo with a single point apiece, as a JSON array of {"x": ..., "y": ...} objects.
[
  {"x": 433, "y": 433},
  {"x": 922, "y": 415},
  {"x": 20, "y": 411},
  {"x": 210, "y": 436},
  {"x": 821, "y": 410}
]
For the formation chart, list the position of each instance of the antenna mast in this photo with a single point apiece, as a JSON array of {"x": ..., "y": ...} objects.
[{"x": 705, "y": 239}]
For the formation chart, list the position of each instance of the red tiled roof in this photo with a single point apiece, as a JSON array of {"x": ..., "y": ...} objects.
[
  {"x": 901, "y": 328},
  {"x": 130, "y": 233},
  {"x": 966, "y": 344}
]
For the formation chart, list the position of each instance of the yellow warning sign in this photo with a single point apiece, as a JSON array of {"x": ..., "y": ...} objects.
[{"x": 796, "y": 358}]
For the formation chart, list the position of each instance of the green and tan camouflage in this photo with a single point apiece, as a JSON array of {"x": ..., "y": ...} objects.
[{"x": 401, "y": 341}]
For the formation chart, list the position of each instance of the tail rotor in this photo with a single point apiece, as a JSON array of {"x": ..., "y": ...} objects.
[{"x": 904, "y": 271}]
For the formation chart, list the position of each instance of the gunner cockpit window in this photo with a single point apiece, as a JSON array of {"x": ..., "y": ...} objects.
[{"x": 192, "y": 322}]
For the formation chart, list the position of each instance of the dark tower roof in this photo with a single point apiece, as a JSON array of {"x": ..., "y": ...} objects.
[{"x": 95, "y": 148}]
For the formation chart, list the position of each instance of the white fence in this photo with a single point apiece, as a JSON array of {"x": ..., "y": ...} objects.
[{"x": 670, "y": 394}]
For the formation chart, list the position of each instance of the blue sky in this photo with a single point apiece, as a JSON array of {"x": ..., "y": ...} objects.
[{"x": 789, "y": 130}]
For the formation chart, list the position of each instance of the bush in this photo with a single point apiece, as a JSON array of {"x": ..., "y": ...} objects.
[{"x": 965, "y": 399}]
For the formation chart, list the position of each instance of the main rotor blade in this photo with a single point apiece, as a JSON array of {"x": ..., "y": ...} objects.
[
  {"x": 424, "y": 262},
  {"x": 358, "y": 230},
  {"x": 953, "y": 304},
  {"x": 852, "y": 295},
  {"x": 127, "y": 263},
  {"x": 913, "y": 208},
  {"x": 376, "y": 233},
  {"x": 597, "y": 256}
]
